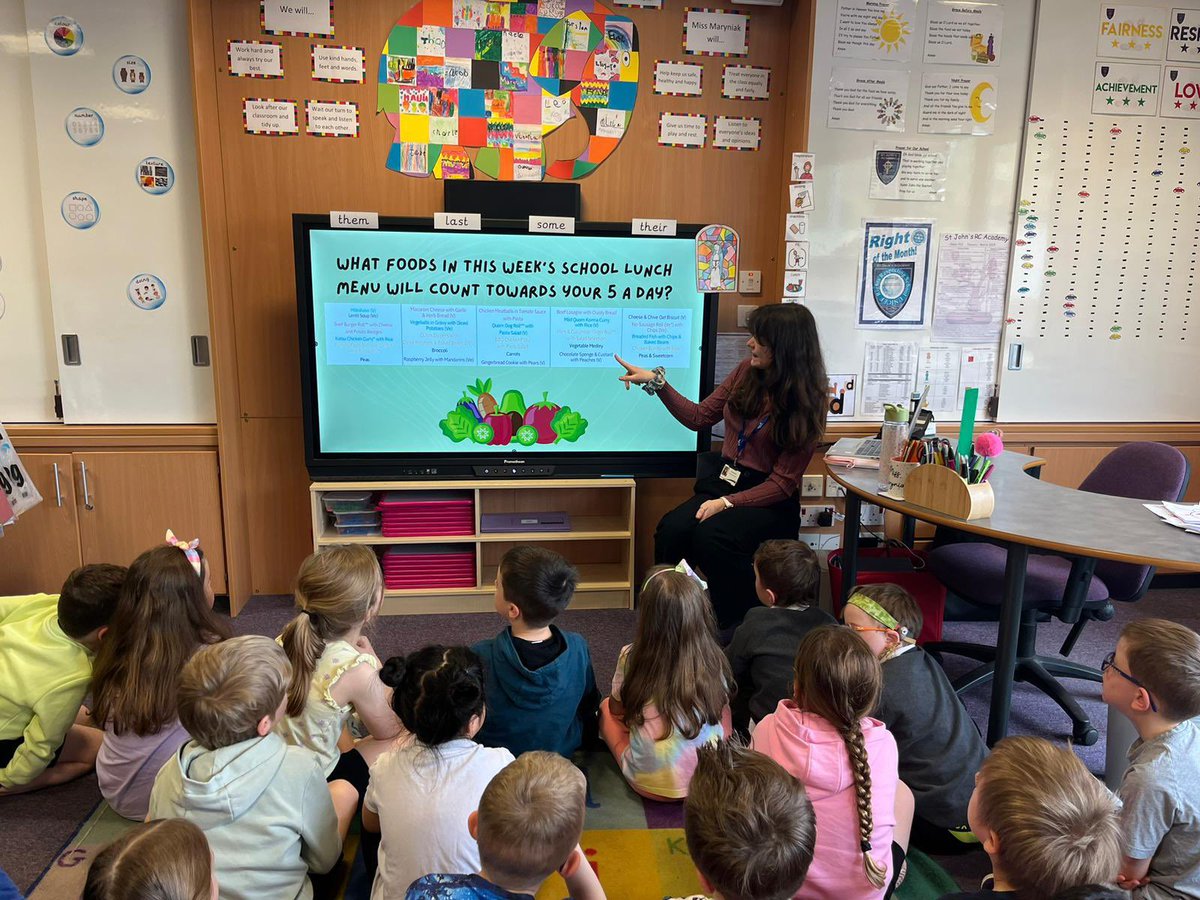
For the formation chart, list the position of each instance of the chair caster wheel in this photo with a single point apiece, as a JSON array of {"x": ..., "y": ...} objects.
[{"x": 1085, "y": 735}]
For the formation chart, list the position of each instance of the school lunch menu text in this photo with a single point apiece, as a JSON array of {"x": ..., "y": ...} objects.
[{"x": 437, "y": 342}]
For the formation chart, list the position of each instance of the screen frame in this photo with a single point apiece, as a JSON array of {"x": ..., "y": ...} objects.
[{"x": 333, "y": 466}]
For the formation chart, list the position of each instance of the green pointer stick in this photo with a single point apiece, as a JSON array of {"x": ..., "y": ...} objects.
[{"x": 966, "y": 430}]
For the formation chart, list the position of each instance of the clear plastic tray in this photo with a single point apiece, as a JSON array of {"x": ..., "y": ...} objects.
[
  {"x": 370, "y": 517},
  {"x": 349, "y": 501}
]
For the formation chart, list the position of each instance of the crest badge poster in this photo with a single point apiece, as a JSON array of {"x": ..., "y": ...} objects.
[
  {"x": 893, "y": 280},
  {"x": 15, "y": 484},
  {"x": 717, "y": 259}
]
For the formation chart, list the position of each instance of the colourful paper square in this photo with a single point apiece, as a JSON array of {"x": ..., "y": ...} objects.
[
  {"x": 456, "y": 73},
  {"x": 471, "y": 104},
  {"x": 438, "y": 12},
  {"x": 527, "y": 107},
  {"x": 513, "y": 76},
  {"x": 414, "y": 129},
  {"x": 444, "y": 131},
  {"x": 594, "y": 94},
  {"x": 488, "y": 45},
  {"x": 430, "y": 77},
  {"x": 583, "y": 6},
  {"x": 472, "y": 132},
  {"x": 575, "y": 61},
  {"x": 622, "y": 94},
  {"x": 485, "y": 73},
  {"x": 460, "y": 42},
  {"x": 402, "y": 41},
  {"x": 500, "y": 133},
  {"x": 544, "y": 28}
]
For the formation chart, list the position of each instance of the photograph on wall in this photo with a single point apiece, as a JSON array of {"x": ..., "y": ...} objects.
[{"x": 894, "y": 274}]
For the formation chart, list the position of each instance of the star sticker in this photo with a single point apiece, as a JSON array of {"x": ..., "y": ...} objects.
[
  {"x": 1125, "y": 102},
  {"x": 1109, "y": 101},
  {"x": 1141, "y": 101}
]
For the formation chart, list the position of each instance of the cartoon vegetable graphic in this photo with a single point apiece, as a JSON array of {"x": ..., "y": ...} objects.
[
  {"x": 512, "y": 402},
  {"x": 527, "y": 435},
  {"x": 481, "y": 390},
  {"x": 502, "y": 429},
  {"x": 469, "y": 405},
  {"x": 541, "y": 416},
  {"x": 458, "y": 424},
  {"x": 482, "y": 433},
  {"x": 568, "y": 425}
]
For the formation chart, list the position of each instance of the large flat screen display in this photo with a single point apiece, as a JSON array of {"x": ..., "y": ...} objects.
[{"x": 449, "y": 353}]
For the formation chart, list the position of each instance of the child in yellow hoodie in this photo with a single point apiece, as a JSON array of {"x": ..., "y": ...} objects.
[{"x": 47, "y": 643}]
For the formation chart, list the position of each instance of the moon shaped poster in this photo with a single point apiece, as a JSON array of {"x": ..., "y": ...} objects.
[{"x": 959, "y": 102}]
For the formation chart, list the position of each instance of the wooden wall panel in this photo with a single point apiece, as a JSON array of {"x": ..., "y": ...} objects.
[{"x": 253, "y": 184}]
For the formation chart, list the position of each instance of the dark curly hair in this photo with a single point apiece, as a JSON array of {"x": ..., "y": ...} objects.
[{"x": 436, "y": 691}]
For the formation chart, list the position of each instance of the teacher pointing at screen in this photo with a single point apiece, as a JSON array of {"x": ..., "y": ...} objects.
[{"x": 774, "y": 406}]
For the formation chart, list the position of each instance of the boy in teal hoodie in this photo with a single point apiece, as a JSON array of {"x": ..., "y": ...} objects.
[
  {"x": 541, "y": 689},
  {"x": 263, "y": 804}
]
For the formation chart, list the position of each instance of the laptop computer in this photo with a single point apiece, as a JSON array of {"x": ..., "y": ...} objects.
[{"x": 855, "y": 451}]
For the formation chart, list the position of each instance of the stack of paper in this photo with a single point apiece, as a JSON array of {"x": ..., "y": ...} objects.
[{"x": 1181, "y": 515}]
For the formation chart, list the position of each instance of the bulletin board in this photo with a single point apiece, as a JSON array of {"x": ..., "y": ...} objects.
[
  {"x": 1103, "y": 310},
  {"x": 979, "y": 186}
]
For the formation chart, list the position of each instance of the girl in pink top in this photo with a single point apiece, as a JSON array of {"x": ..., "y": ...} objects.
[{"x": 848, "y": 764}]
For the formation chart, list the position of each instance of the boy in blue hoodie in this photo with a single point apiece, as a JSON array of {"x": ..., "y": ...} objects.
[
  {"x": 541, "y": 690},
  {"x": 263, "y": 804}
]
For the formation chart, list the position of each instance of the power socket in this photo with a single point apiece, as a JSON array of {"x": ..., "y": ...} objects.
[
  {"x": 816, "y": 516},
  {"x": 833, "y": 489},
  {"x": 811, "y": 485},
  {"x": 822, "y": 540},
  {"x": 743, "y": 313},
  {"x": 871, "y": 514}
]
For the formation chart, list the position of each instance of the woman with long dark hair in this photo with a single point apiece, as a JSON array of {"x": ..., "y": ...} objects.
[{"x": 774, "y": 406}]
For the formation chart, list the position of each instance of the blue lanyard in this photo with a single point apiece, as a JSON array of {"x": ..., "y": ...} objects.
[{"x": 743, "y": 440}]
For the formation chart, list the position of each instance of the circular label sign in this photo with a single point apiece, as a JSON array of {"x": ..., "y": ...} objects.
[
  {"x": 80, "y": 210},
  {"x": 84, "y": 126},
  {"x": 64, "y": 37},
  {"x": 147, "y": 291},
  {"x": 155, "y": 175},
  {"x": 131, "y": 74}
]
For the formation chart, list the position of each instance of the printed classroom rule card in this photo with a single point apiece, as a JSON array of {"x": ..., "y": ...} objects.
[
  {"x": 255, "y": 59},
  {"x": 715, "y": 32},
  {"x": 868, "y": 99},
  {"x": 678, "y": 79},
  {"x": 337, "y": 64},
  {"x": 272, "y": 117},
  {"x": 304, "y": 18},
  {"x": 682, "y": 130}
]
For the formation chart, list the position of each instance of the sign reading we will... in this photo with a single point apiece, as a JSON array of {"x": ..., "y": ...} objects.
[{"x": 310, "y": 18}]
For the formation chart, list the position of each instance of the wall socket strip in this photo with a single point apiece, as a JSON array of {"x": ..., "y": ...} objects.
[
  {"x": 822, "y": 540},
  {"x": 833, "y": 489},
  {"x": 816, "y": 516},
  {"x": 871, "y": 514},
  {"x": 811, "y": 485}
]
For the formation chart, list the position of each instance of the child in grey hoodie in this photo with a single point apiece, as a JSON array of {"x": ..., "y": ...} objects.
[{"x": 263, "y": 805}]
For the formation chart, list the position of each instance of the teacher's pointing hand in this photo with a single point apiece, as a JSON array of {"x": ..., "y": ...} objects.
[{"x": 634, "y": 374}]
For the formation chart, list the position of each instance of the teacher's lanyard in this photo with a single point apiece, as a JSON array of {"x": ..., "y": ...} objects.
[{"x": 743, "y": 439}]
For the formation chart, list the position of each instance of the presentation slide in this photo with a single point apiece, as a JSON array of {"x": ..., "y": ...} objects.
[{"x": 463, "y": 341}]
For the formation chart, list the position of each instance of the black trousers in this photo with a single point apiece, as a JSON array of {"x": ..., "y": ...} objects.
[{"x": 722, "y": 547}]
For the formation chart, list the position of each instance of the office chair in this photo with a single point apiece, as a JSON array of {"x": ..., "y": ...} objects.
[{"x": 1072, "y": 590}]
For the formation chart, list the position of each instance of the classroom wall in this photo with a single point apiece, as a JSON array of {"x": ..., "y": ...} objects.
[{"x": 252, "y": 184}]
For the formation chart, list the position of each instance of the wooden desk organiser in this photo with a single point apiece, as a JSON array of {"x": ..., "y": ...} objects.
[{"x": 942, "y": 489}]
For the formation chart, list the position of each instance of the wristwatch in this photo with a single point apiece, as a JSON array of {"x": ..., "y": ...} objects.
[{"x": 659, "y": 381}]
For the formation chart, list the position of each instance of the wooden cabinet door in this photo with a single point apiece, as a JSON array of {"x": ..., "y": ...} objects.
[
  {"x": 41, "y": 549},
  {"x": 132, "y": 498}
]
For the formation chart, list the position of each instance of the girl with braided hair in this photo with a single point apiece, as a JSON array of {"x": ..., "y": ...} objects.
[{"x": 848, "y": 763}]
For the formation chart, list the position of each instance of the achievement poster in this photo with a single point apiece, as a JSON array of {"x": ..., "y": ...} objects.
[{"x": 894, "y": 276}]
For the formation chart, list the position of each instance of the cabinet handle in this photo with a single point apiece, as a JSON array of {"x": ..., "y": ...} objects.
[
  {"x": 57, "y": 486},
  {"x": 87, "y": 498}
]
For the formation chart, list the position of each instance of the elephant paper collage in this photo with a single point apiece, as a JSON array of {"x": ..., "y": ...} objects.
[
  {"x": 17, "y": 490},
  {"x": 500, "y": 76}
]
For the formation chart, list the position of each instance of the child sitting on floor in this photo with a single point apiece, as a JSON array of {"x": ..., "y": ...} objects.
[
  {"x": 749, "y": 825},
  {"x": 1153, "y": 679},
  {"x": 47, "y": 643},
  {"x": 787, "y": 578},
  {"x": 435, "y": 780},
  {"x": 670, "y": 691},
  {"x": 334, "y": 667},
  {"x": 167, "y": 859},
  {"x": 163, "y": 616},
  {"x": 528, "y": 826},
  {"x": 1046, "y": 822},
  {"x": 847, "y": 762},
  {"x": 940, "y": 747},
  {"x": 541, "y": 688},
  {"x": 262, "y": 804}
]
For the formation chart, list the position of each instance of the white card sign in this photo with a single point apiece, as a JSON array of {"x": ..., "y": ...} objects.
[
  {"x": 255, "y": 59},
  {"x": 301, "y": 18},
  {"x": 714, "y": 32}
]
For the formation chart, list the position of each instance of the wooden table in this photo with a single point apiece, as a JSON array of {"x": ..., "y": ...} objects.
[{"x": 1030, "y": 513}]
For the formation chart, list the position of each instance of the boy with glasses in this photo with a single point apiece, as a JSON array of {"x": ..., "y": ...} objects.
[{"x": 1153, "y": 678}]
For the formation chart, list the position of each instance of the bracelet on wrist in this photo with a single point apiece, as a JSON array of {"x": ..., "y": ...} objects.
[
  {"x": 728, "y": 503},
  {"x": 658, "y": 382}
]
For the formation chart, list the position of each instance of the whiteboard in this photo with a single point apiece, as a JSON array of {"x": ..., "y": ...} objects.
[
  {"x": 27, "y": 361},
  {"x": 980, "y": 189},
  {"x": 136, "y": 363},
  {"x": 1102, "y": 296}
]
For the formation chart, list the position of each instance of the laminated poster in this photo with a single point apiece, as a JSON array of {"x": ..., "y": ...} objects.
[
  {"x": 746, "y": 83},
  {"x": 868, "y": 99},
  {"x": 678, "y": 79},
  {"x": 682, "y": 130},
  {"x": 255, "y": 59},
  {"x": 1131, "y": 32},
  {"x": 331, "y": 118},
  {"x": 737, "y": 133},
  {"x": 717, "y": 259},
  {"x": 1125, "y": 89},
  {"x": 801, "y": 198},
  {"x": 874, "y": 29},
  {"x": 340, "y": 65},
  {"x": 912, "y": 171},
  {"x": 795, "y": 284},
  {"x": 894, "y": 276},
  {"x": 15, "y": 484},
  {"x": 963, "y": 34},
  {"x": 269, "y": 116},
  {"x": 796, "y": 227},
  {"x": 958, "y": 102},
  {"x": 1183, "y": 36},
  {"x": 803, "y": 167},
  {"x": 299, "y": 18},
  {"x": 715, "y": 32},
  {"x": 1180, "y": 92},
  {"x": 795, "y": 255},
  {"x": 841, "y": 395}
]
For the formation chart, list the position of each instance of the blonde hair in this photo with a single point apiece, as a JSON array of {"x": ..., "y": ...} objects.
[
  {"x": 838, "y": 678},
  {"x": 675, "y": 662},
  {"x": 164, "y": 860},
  {"x": 749, "y": 824},
  {"x": 225, "y": 689},
  {"x": 1165, "y": 657},
  {"x": 335, "y": 590},
  {"x": 1058, "y": 825},
  {"x": 531, "y": 818}
]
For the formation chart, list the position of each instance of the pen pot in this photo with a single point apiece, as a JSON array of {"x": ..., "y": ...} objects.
[
  {"x": 898, "y": 476},
  {"x": 942, "y": 489}
]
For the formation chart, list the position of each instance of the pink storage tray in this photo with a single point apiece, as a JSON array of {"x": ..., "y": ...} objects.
[{"x": 389, "y": 503}]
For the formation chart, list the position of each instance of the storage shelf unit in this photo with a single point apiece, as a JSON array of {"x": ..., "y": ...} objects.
[{"x": 599, "y": 543}]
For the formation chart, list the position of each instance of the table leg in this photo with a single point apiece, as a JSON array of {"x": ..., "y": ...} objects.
[
  {"x": 909, "y": 535},
  {"x": 850, "y": 544},
  {"x": 1006, "y": 641}
]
